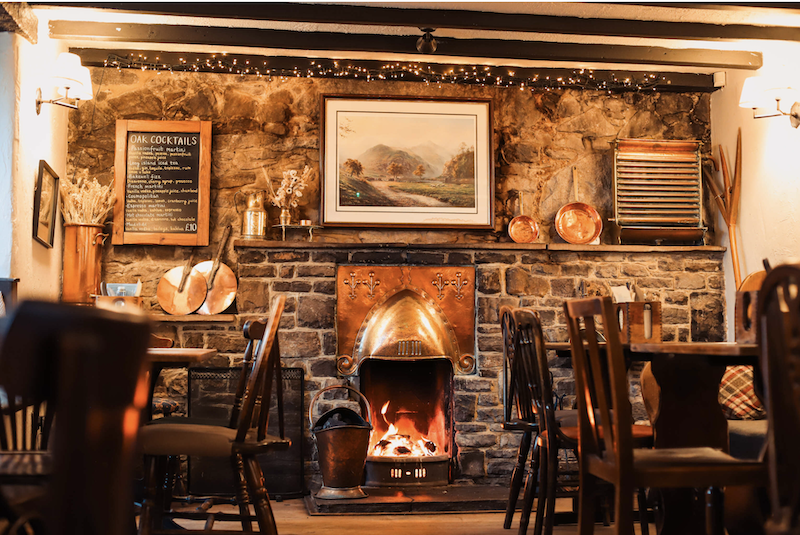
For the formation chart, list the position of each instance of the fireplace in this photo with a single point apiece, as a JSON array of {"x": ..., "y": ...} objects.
[{"x": 406, "y": 331}]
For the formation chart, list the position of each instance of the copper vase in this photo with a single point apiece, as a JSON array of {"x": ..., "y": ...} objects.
[{"x": 83, "y": 249}]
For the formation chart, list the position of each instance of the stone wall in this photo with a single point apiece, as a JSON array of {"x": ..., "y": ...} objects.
[
  {"x": 273, "y": 125},
  {"x": 687, "y": 281}
]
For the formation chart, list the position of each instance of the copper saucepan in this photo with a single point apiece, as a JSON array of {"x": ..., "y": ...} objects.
[
  {"x": 523, "y": 228},
  {"x": 577, "y": 222}
]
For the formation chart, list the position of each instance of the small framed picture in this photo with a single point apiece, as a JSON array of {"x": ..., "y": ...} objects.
[
  {"x": 45, "y": 205},
  {"x": 407, "y": 162}
]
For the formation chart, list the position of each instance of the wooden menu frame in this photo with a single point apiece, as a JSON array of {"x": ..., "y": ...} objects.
[{"x": 156, "y": 136}]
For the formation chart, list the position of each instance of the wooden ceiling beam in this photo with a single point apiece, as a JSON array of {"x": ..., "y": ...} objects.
[
  {"x": 293, "y": 66},
  {"x": 18, "y": 17},
  {"x": 453, "y": 18},
  {"x": 388, "y": 44}
]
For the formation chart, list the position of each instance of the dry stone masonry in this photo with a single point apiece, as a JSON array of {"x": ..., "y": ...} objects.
[{"x": 273, "y": 125}]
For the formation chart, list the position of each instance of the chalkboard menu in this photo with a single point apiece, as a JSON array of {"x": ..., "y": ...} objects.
[{"x": 162, "y": 175}]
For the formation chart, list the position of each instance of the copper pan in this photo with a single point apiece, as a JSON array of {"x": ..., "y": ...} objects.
[
  {"x": 577, "y": 222},
  {"x": 523, "y": 229},
  {"x": 181, "y": 290},
  {"x": 220, "y": 279}
]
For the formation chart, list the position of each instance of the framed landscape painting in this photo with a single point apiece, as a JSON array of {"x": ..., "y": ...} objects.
[{"x": 402, "y": 162}]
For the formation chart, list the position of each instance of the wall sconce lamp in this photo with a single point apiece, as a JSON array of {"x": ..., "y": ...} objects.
[
  {"x": 72, "y": 81},
  {"x": 427, "y": 44},
  {"x": 760, "y": 93}
]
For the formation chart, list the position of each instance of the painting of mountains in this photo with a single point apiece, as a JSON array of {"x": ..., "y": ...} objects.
[{"x": 406, "y": 160}]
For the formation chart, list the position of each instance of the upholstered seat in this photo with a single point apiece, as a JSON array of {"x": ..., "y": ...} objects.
[{"x": 202, "y": 440}]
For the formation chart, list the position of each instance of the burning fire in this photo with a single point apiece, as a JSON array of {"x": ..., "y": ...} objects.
[{"x": 406, "y": 443}]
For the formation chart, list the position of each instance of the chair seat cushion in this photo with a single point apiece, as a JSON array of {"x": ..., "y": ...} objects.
[
  {"x": 695, "y": 467},
  {"x": 16, "y": 466},
  {"x": 185, "y": 436},
  {"x": 642, "y": 434},
  {"x": 747, "y": 438},
  {"x": 568, "y": 417},
  {"x": 737, "y": 395}
]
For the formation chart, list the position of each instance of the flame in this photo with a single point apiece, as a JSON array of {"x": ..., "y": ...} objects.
[{"x": 396, "y": 444}]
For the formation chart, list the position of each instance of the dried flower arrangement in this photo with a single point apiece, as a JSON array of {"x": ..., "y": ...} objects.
[
  {"x": 86, "y": 202},
  {"x": 291, "y": 188}
]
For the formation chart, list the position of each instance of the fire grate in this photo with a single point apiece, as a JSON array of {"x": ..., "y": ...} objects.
[{"x": 407, "y": 471}]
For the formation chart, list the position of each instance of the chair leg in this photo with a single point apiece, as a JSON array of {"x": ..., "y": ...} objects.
[
  {"x": 541, "y": 496},
  {"x": 642, "y": 495},
  {"x": 623, "y": 509},
  {"x": 172, "y": 467},
  {"x": 516, "y": 478},
  {"x": 530, "y": 488},
  {"x": 586, "y": 502},
  {"x": 255, "y": 481},
  {"x": 714, "y": 511},
  {"x": 150, "y": 513},
  {"x": 550, "y": 494},
  {"x": 242, "y": 497}
]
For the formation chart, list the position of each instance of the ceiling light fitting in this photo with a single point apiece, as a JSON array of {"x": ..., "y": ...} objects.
[
  {"x": 72, "y": 81},
  {"x": 427, "y": 44}
]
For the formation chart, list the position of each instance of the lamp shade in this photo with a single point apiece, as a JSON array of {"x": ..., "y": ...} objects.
[
  {"x": 762, "y": 92},
  {"x": 71, "y": 78}
]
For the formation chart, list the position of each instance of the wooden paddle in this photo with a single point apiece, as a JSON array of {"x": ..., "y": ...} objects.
[
  {"x": 727, "y": 199},
  {"x": 220, "y": 279}
]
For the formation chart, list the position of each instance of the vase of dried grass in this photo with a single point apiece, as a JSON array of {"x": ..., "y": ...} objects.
[{"x": 83, "y": 251}]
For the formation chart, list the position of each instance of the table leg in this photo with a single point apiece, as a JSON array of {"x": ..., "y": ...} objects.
[
  {"x": 689, "y": 415},
  {"x": 155, "y": 371}
]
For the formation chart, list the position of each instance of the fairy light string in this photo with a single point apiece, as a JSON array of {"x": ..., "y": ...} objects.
[{"x": 435, "y": 75}]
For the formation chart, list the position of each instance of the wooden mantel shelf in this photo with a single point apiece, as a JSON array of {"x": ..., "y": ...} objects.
[
  {"x": 506, "y": 246},
  {"x": 193, "y": 318}
]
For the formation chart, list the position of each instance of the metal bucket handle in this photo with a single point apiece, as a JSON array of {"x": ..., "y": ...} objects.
[{"x": 365, "y": 408}]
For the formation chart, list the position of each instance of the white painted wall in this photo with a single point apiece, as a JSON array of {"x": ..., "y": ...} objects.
[
  {"x": 769, "y": 220},
  {"x": 7, "y": 100},
  {"x": 26, "y": 138}
]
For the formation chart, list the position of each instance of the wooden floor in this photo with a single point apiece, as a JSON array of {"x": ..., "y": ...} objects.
[{"x": 293, "y": 519}]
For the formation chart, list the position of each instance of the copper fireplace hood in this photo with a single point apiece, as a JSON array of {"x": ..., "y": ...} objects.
[{"x": 405, "y": 313}]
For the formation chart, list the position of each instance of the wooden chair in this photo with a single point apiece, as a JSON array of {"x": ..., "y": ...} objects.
[
  {"x": 253, "y": 331},
  {"x": 518, "y": 415},
  {"x": 530, "y": 387},
  {"x": 779, "y": 338},
  {"x": 241, "y": 443},
  {"x": 86, "y": 365},
  {"x": 606, "y": 447},
  {"x": 557, "y": 429}
]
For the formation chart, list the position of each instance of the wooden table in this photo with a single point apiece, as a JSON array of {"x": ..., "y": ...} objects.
[
  {"x": 172, "y": 357},
  {"x": 689, "y": 375}
]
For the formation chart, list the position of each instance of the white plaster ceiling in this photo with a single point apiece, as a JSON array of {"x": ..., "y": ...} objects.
[{"x": 718, "y": 14}]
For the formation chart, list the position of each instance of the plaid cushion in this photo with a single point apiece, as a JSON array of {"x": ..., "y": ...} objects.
[{"x": 737, "y": 395}]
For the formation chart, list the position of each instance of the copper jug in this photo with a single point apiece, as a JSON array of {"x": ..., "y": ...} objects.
[{"x": 254, "y": 217}]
